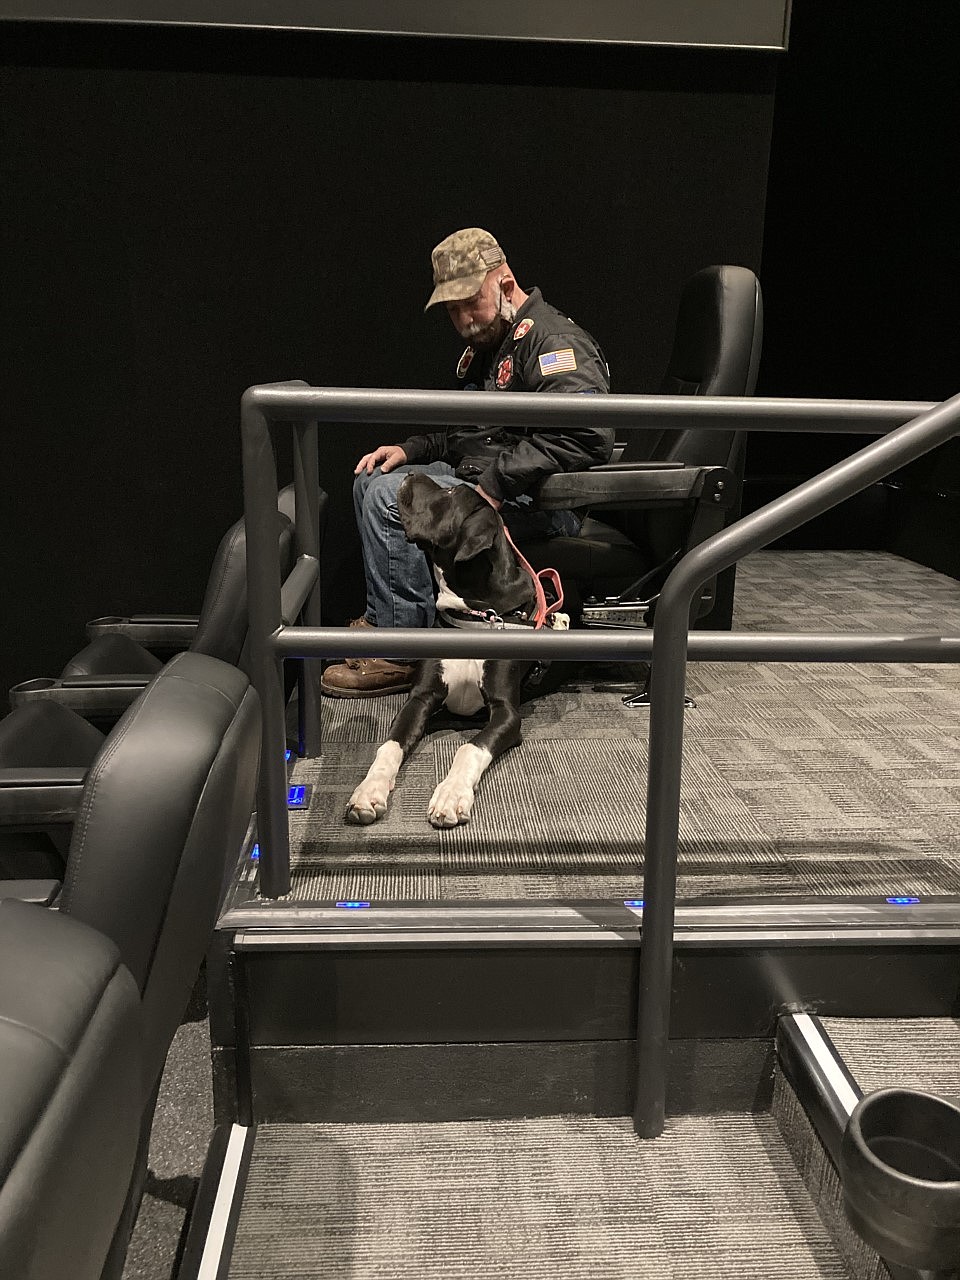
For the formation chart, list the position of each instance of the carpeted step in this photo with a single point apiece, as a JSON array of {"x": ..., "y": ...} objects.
[{"x": 556, "y": 1198}]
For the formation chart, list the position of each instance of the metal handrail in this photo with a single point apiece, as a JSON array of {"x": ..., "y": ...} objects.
[
  {"x": 668, "y": 679},
  {"x": 908, "y": 429}
]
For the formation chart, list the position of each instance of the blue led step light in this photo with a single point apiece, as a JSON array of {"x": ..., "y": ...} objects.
[{"x": 903, "y": 902}]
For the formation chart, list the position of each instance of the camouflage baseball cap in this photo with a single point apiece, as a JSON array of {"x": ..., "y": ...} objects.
[{"x": 461, "y": 263}]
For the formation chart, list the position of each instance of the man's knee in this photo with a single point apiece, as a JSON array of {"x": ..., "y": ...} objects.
[{"x": 380, "y": 492}]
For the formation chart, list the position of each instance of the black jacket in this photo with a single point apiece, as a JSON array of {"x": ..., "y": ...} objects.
[{"x": 543, "y": 351}]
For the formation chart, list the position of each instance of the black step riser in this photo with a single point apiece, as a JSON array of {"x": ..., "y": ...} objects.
[
  {"x": 382, "y": 996},
  {"x": 411, "y": 1083}
]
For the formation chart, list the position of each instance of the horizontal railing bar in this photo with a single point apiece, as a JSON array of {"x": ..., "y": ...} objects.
[
  {"x": 304, "y": 574},
  {"x": 611, "y": 646},
  {"x": 289, "y": 403}
]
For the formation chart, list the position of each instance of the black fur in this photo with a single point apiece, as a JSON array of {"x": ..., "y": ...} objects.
[{"x": 463, "y": 536}]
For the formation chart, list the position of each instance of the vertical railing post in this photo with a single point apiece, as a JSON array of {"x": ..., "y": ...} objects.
[
  {"x": 668, "y": 668},
  {"x": 263, "y": 604},
  {"x": 306, "y": 478}
]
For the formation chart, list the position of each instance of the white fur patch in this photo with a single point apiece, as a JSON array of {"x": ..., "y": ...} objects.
[
  {"x": 447, "y": 599},
  {"x": 462, "y": 677}
]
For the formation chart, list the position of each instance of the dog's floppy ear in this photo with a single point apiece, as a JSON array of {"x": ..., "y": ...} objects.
[
  {"x": 478, "y": 533},
  {"x": 418, "y": 528}
]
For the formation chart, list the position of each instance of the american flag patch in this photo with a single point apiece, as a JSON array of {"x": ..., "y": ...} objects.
[{"x": 558, "y": 362}]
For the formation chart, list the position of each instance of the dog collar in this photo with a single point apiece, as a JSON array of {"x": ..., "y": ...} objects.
[
  {"x": 487, "y": 619},
  {"x": 482, "y": 619}
]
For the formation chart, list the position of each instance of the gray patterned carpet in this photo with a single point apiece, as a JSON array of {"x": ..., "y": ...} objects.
[
  {"x": 887, "y": 1053},
  {"x": 798, "y": 778},
  {"x": 557, "y": 1196}
]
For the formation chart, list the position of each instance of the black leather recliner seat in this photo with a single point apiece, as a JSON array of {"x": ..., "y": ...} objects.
[
  {"x": 164, "y": 812},
  {"x": 45, "y": 745},
  {"x": 71, "y": 1107},
  {"x": 670, "y": 489},
  {"x": 104, "y": 677}
]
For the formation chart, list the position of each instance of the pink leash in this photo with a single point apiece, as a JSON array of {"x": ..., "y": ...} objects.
[{"x": 544, "y": 611}]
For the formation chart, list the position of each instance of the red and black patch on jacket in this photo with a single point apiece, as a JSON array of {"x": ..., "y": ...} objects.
[
  {"x": 465, "y": 361},
  {"x": 504, "y": 372}
]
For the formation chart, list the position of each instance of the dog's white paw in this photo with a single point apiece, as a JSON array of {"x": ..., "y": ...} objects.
[
  {"x": 451, "y": 803},
  {"x": 368, "y": 803}
]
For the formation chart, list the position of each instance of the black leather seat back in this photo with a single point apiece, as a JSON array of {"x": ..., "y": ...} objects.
[
  {"x": 71, "y": 1104},
  {"x": 719, "y": 333},
  {"x": 165, "y": 807},
  {"x": 45, "y": 733},
  {"x": 716, "y": 352},
  {"x": 222, "y": 628}
]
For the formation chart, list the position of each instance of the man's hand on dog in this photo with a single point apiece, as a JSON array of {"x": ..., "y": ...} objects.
[
  {"x": 390, "y": 456},
  {"x": 385, "y": 456}
]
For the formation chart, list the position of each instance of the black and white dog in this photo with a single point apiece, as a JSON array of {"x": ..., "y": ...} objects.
[{"x": 482, "y": 582}]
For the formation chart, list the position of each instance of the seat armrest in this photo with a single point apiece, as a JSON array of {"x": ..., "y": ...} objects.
[
  {"x": 160, "y": 633},
  {"x": 638, "y": 465},
  {"x": 640, "y": 486},
  {"x": 40, "y": 797},
  {"x": 42, "y": 893},
  {"x": 94, "y": 697}
]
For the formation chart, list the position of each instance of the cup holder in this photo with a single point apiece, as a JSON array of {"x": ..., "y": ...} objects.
[
  {"x": 900, "y": 1170},
  {"x": 23, "y": 691}
]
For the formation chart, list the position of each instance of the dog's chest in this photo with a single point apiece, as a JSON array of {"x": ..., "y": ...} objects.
[{"x": 463, "y": 678}]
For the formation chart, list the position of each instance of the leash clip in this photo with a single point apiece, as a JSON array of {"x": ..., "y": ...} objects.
[{"x": 493, "y": 618}]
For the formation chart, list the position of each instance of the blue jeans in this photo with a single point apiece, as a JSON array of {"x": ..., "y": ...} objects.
[{"x": 400, "y": 584}]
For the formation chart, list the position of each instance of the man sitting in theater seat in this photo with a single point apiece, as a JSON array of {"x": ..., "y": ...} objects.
[{"x": 515, "y": 342}]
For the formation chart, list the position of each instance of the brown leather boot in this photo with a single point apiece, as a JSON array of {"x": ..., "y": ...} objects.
[{"x": 367, "y": 678}]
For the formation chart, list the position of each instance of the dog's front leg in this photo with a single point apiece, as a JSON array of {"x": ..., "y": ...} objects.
[
  {"x": 452, "y": 802},
  {"x": 369, "y": 801}
]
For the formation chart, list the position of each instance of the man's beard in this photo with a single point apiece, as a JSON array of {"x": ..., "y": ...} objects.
[{"x": 482, "y": 337}]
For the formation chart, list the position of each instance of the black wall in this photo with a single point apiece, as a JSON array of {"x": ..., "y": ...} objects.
[
  {"x": 861, "y": 257},
  {"x": 190, "y": 212}
]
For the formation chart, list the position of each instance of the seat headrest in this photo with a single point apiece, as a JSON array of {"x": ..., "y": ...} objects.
[
  {"x": 719, "y": 334},
  {"x": 222, "y": 627}
]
